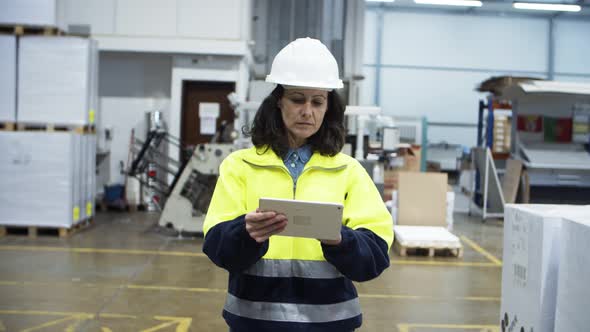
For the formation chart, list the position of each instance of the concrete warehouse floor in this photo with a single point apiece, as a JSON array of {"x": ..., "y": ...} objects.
[{"x": 126, "y": 274}]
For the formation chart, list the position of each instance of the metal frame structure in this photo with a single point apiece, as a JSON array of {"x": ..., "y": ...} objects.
[{"x": 483, "y": 211}]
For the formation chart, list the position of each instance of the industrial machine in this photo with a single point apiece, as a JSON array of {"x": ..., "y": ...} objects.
[{"x": 185, "y": 187}]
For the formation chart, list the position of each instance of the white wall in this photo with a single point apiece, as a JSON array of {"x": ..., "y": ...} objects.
[
  {"x": 201, "y": 19},
  {"x": 572, "y": 47},
  {"x": 432, "y": 62},
  {"x": 131, "y": 84},
  {"x": 177, "y": 26},
  {"x": 463, "y": 41}
]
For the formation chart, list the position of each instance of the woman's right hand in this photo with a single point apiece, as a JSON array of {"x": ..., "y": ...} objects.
[{"x": 262, "y": 225}]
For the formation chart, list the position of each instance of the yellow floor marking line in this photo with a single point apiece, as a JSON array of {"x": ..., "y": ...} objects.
[
  {"x": 213, "y": 290},
  {"x": 444, "y": 263},
  {"x": 426, "y": 297},
  {"x": 481, "y": 250},
  {"x": 103, "y": 251},
  {"x": 58, "y": 313},
  {"x": 177, "y": 289},
  {"x": 101, "y": 315},
  {"x": 196, "y": 254},
  {"x": 481, "y": 328},
  {"x": 40, "y": 313},
  {"x": 480, "y": 298},
  {"x": 183, "y": 324},
  {"x": 77, "y": 319}
]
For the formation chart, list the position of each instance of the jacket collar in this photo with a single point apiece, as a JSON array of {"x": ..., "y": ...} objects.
[
  {"x": 260, "y": 157},
  {"x": 304, "y": 153}
]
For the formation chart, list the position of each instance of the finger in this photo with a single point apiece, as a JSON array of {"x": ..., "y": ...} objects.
[
  {"x": 265, "y": 237},
  {"x": 267, "y": 231},
  {"x": 261, "y": 226},
  {"x": 259, "y": 216},
  {"x": 257, "y": 225}
]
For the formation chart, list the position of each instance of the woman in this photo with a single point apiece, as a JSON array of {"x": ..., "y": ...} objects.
[{"x": 280, "y": 283}]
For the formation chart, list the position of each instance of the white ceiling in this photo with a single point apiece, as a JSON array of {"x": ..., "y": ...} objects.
[{"x": 500, "y": 7}]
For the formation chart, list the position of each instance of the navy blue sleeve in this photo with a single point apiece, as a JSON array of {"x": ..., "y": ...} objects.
[
  {"x": 230, "y": 247},
  {"x": 361, "y": 256}
]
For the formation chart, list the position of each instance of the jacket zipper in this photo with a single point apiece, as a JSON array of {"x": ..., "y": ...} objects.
[{"x": 284, "y": 169}]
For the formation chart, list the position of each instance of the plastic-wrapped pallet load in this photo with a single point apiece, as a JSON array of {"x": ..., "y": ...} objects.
[
  {"x": 531, "y": 264},
  {"x": 41, "y": 13},
  {"x": 573, "y": 291},
  {"x": 93, "y": 113},
  {"x": 91, "y": 176},
  {"x": 37, "y": 177},
  {"x": 77, "y": 161},
  {"x": 55, "y": 80},
  {"x": 84, "y": 176},
  {"x": 426, "y": 236},
  {"x": 7, "y": 78}
]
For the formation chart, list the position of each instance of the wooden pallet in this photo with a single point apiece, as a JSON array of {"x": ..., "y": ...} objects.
[
  {"x": 87, "y": 129},
  {"x": 21, "y": 30},
  {"x": 430, "y": 251},
  {"x": 7, "y": 126},
  {"x": 33, "y": 231}
]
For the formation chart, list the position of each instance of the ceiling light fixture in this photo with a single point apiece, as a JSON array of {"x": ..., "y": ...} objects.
[
  {"x": 463, "y": 3},
  {"x": 547, "y": 6}
]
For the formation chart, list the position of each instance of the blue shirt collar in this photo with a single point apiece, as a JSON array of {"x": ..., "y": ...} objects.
[{"x": 304, "y": 152}]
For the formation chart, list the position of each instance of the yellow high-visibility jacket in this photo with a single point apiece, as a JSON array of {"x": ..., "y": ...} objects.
[{"x": 288, "y": 283}]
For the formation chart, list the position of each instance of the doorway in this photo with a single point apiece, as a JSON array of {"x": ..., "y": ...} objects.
[{"x": 194, "y": 93}]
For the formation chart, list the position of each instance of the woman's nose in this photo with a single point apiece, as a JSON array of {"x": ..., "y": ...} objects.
[{"x": 307, "y": 109}]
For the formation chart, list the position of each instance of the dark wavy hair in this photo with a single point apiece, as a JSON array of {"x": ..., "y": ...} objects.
[{"x": 268, "y": 129}]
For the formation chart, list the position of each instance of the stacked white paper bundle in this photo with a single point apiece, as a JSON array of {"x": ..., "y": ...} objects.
[
  {"x": 57, "y": 80},
  {"x": 573, "y": 291},
  {"x": 42, "y": 176},
  {"x": 39, "y": 13},
  {"x": 532, "y": 243},
  {"x": 7, "y": 78}
]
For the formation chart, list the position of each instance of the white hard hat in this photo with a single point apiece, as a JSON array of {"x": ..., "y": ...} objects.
[{"x": 307, "y": 63}]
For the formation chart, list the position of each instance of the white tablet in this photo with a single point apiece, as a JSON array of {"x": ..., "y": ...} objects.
[{"x": 316, "y": 220}]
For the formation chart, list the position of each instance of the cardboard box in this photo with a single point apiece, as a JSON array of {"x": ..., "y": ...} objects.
[
  {"x": 531, "y": 265},
  {"x": 422, "y": 199},
  {"x": 408, "y": 160},
  {"x": 449, "y": 209},
  {"x": 7, "y": 78},
  {"x": 573, "y": 291},
  {"x": 41, "y": 13},
  {"x": 56, "y": 83}
]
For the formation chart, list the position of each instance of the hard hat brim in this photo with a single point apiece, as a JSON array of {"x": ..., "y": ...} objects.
[{"x": 311, "y": 85}]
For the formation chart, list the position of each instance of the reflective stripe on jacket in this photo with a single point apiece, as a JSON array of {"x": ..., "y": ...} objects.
[{"x": 288, "y": 281}]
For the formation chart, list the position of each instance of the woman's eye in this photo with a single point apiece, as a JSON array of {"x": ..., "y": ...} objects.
[
  {"x": 298, "y": 100},
  {"x": 318, "y": 103}
]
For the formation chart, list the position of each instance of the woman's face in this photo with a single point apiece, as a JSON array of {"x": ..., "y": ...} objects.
[{"x": 303, "y": 111}]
